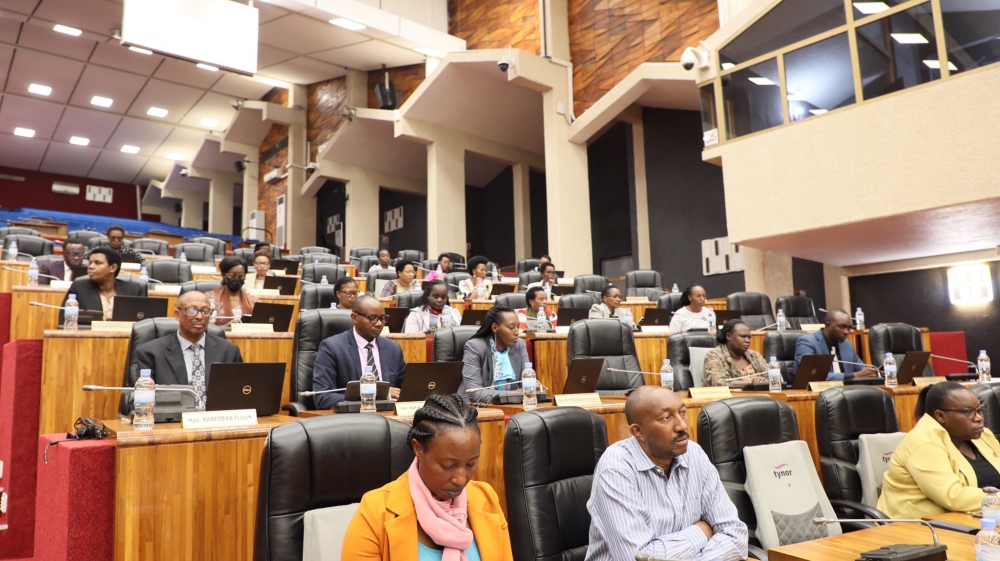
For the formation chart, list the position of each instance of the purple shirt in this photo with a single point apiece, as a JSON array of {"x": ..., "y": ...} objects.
[{"x": 362, "y": 343}]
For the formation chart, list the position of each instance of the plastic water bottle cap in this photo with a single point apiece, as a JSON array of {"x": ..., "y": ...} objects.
[
  {"x": 774, "y": 359},
  {"x": 859, "y": 309},
  {"x": 989, "y": 524},
  {"x": 145, "y": 372},
  {"x": 333, "y": 304},
  {"x": 527, "y": 365},
  {"x": 368, "y": 369},
  {"x": 888, "y": 355},
  {"x": 982, "y": 352},
  {"x": 781, "y": 310},
  {"x": 666, "y": 362},
  {"x": 72, "y": 296}
]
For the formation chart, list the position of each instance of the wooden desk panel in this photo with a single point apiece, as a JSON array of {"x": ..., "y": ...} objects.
[
  {"x": 551, "y": 357},
  {"x": 9, "y": 278},
  {"x": 847, "y": 547},
  {"x": 30, "y": 322},
  {"x": 46, "y": 229},
  {"x": 414, "y": 345}
]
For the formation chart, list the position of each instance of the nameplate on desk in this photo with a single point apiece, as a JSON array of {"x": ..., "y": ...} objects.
[
  {"x": 563, "y": 329},
  {"x": 717, "y": 392},
  {"x": 131, "y": 267},
  {"x": 278, "y": 272},
  {"x": 656, "y": 329},
  {"x": 823, "y": 386},
  {"x": 252, "y": 327},
  {"x": 921, "y": 381},
  {"x": 264, "y": 292},
  {"x": 203, "y": 270},
  {"x": 61, "y": 285},
  {"x": 171, "y": 289},
  {"x": 218, "y": 419},
  {"x": 637, "y": 300},
  {"x": 408, "y": 408},
  {"x": 577, "y": 399},
  {"x": 115, "y": 326},
  {"x": 811, "y": 327}
]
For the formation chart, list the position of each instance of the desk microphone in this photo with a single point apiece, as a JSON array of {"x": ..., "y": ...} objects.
[
  {"x": 312, "y": 393},
  {"x": 131, "y": 276},
  {"x": 857, "y": 364},
  {"x": 976, "y": 366},
  {"x": 745, "y": 376},
  {"x": 165, "y": 388},
  {"x": 898, "y": 551},
  {"x": 25, "y": 271},
  {"x": 495, "y": 386},
  {"x": 41, "y": 305},
  {"x": 633, "y": 372}
]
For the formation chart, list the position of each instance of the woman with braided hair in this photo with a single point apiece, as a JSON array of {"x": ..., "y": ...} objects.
[
  {"x": 434, "y": 511},
  {"x": 495, "y": 356}
]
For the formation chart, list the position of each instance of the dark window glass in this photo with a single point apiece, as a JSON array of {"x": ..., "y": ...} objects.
[
  {"x": 898, "y": 52},
  {"x": 709, "y": 120},
  {"x": 789, "y": 22},
  {"x": 819, "y": 78},
  {"x": 752, "y": 98},
  {"x": 972, "y": 33}
]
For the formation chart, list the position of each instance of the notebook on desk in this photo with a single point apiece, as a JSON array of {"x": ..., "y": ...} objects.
[
  {"x": 290, "y": 267},
  {"x": 278, "y": 315},
  {"x": 913, "y": 367},
  {"x": 569, "y": 316},
  {"x": 424, "y": 379},
  {"x": 501, "y": 288},
  {"x": 583, "y": 376},
  {"x": 473, "y": 317},
  {"x": 560, "y": 290},
  {"x": 284, "y": 285},
  {"x": 245, "y": 385},
  {"x": 138, "y": 308}
]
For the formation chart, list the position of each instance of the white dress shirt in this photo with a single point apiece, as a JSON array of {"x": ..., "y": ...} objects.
[
  {"x": 189, "y": 356},
  {"x": 363, "y": 353}
]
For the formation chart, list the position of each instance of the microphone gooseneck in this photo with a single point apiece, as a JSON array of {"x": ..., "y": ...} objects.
[{"x": 821, "y": 521}]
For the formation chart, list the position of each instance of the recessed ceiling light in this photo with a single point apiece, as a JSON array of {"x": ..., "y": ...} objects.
[
  {"x": 727, "y": 65},
  {"x": 817, "y": 111},
  {"x": 909, "y": 38},
  {"x": 762, "y": 81},
  {"x": 39, "y": 89},
  {"x": 275, "y": 83},
  {"x": 157, "y": 112},
  {"x": 175, "y": 156},
  {"x": 130, "y": 149},
  {"x": 101, "y": 101},
  {"x": 430, "y": 52},
  {"x": 936, "y": 65},
  {"x": 869, "y": 8},
  {"x": 347, "y": 24},
  {"x": 67, "y": 30},
  {"x": 27, "y": 133},
  {"x": 210, "y": 123},
  {"x": 79, "y": 140},
  {"x": 140, "y": 50},
  {"x": 208, "y": 67}
]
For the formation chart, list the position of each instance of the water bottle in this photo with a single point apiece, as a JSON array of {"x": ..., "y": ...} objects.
[
  {"x": 316, "y": 261},
  {"x": 333, "y": 305},
  {"x": 439, "y": 272},
  {"x": 215, "y": 313},
  {"x": 324, "y": 280},
  {"x": 674, "y": 289},
  {"x": 889, "y": 367},
  {"x": 987, "y": 541},
  {"x": 780, "y": 318},
  {"x": 625, "y": 316},
  {"x": 71, "y": 315},
  {"x": 143, "y": 275},
  {"x": 529, "y": 385},
  {"x": 543, "y": 321},
  {"x": 859, "y": 319},
  {"x": 368, "y": 388},
  {"x": 667, "y": 375},
  {"x": 991, "y": 504},
  {"x": 12, "y": 250},
  {"x": 547, "y": 287},
  {"x": 711, "y": 321},
  {"x": 773, "y": 375},
  {"x": 494, "y": 274},
  {"x": 144, "y": 398},
  {"x": 33, "y": 272},
  {"x": 184, "y": 256},
  {"x": 983, "y": 367}
]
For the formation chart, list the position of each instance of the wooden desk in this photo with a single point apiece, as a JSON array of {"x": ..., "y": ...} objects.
[
  {"x": 171, "y": 239},
  {"x": 414, "y": 345},
  {"x": 46, "y": 229},
  {"x": 957, "y": 518},
  {"x": 72, "y": 359},
  {"x": 187, "y": 494},
  {"x": 30, "y": 322},
  {"x": 551, "y": 357},
  {"x": 10, "y": 278},
  {"x": 847, "y": 547}
]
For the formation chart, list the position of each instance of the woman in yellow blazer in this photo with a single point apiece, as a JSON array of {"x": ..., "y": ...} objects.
[
  {"x": 434, "y": 511},
  {"x": 945, "y": 461}
]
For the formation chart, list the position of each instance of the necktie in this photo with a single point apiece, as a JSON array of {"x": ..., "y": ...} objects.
[
  {"x": 836, "y": 365},
  {"x": 198, "y": 375},
  {"x": 371, "y": 360}
]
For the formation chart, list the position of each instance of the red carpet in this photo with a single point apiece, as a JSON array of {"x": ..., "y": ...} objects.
[
  {"x": 950, "y": 344},
  {"x": 20, "y": 388}
]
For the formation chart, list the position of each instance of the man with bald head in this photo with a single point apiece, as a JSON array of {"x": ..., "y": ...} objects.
[
  {"x": 832, "y": 339},
  {"x": 658, "y": 493}
]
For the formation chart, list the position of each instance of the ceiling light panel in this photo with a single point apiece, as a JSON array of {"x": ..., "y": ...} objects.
[
  {"x": 25, "y": 132},
  {"x": 208, "y": 67},
  {"x": 140, "y": 50},
  {"x": 39, "y": 89},
  {"x": 762, "y": 81},
  {"x": 79, "y": 140},
  {"x": 67, "y": 30},
  {"x": 869, "y": 8},
  {"x": 157, "y": 112},
  {"x": 129, "y": 149},
  {"x": 101, "y": 101},
  {"x": 909, "y": 38},
  {"x": 348, "y": 24}
]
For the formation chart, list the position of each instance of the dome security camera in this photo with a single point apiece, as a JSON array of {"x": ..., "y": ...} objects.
[{"x": 693, "y": 57}]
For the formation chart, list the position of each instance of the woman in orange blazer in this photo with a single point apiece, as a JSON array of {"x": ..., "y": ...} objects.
[{"x": 434, "y": 511}]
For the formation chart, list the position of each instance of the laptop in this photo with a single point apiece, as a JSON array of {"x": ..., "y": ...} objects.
[
  {"x": 812, "y": 368},
  {"x": 137, "y": 308},
  {"x": 913, "y": 367},
  {"x": 88, "y": 317},
  {"x": 568, "y": 316},
  {"x": 426, "y": 378},
  {"x": 473, "y": 317},
  {"x": 583, "y": 375},
  {"x": 353, "y": 392},
  {"x": 245, "y": 385},
  {"x": 290, "y": 267},
  {"x": 655, "y": 316},
  {"x": 284, "y": 285},
  {"x": 722, "y": 316},
  {"x": 561, "y": 290},
  {"x": 501, "y": 288},
  {"x": 278, "y": 315},
  {"x": 397, "y": 317},
  {"x": 77, "y": 272}
]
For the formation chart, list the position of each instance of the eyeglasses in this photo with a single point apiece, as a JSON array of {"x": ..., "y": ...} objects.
[
  {"x": 236, "y": 277},
  {"x": 969, "y": 412},
  {"x": 192, "y": 311},
  {"x": 115, "y": 238},
  {"x": 75, "y": 254},
  {"x": 384, "y": 318},
  {"x": 350, "y": 293}
]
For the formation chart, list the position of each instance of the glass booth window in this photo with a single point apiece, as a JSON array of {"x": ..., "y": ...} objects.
[
  {"x": 789, "y": 22},
  {"x": 709, "y": 118},
  {"x": 752, "y": 99},
  {"x": 972, "y": 33},
  {"x": 898, "y": 52},
  {"x": 819, "y": 78}
]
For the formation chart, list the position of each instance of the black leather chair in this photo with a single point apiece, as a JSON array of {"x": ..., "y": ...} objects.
[
  {"x": 311, "y": 328},
  {"x": 988, "y": 396},
  {"x": 313, "y": 272},
  {"x": 429, "y": 265},
  {"x": 143, "y": 332},
  {"x": 611, "y": 340},
  {"x": 670, "y": 301},
  {"x": 102, "y": 241},
  {"x": 296, "y": 258},
  {"x": 449, "y": 343},
  {"x": 549, "y": 457},
  {"x": 754, "y": 307},
  {"x": 366, "y": 262},
  {"x": 453, "y": 279},
  {"x": 525, "y": 265},
  {"x": 200, "y": 286},
  {"x": 842, "y": 415},
  {"x": 412, "y": 254},
  {"x": 798, "y": 310},
  {"x": 18, "y": 231},
  {"x": 196, "y": 252},
  {"x": 325, "y": 258},
  {"x": 79, "y": 236},
  {"x": 379, "y": 274},
  {"x": 594, "y": 283},
  {"x": 646, "y": 283},
  {"x": 578, "y": 301},
  {"x": 726, "y": 427},
  {"x": 314, "y": 249},
  {"x": 898, "y": 339},
  {"x": 304, "y": 467},
  {"x": 356, "y": 253},
  {"x": 526, "y": 278},
  {"x": 173, "y": 271},
  {"x": 458, "y": 262},
  {"x": 147, "y": 245},
  {"x": 29, "y": 246},
  {"x": 218, "y": 246},
  {"x": 408, "y": 299},
  {"x": 516, "y": 300},
  {"x": 246, "y": 254},
  {"x": 43, "y": 259},
  {"x": 678, "y": 349},
  {"x": 316, "y": 296},
  {"x": 781, "y": 345}
]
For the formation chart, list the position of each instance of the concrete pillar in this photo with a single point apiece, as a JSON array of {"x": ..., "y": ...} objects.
[
  {"x": 192, "y": 209},
  {"x": 838, "y": 292},
  {"x": 250, "y": 179},
  {"x": 767, "y": 272},
  {"x": 361, "y": 217},
  {"x": 300, "y": 217},
  {"x": 220, "y": 198},
  {"x": 445, "y": 198},
  {"x": 556, "y": 30},
  {"x": 522, "y": 212},
  {"x": 641, "y": 210},
  {"x": 357, "y": 88}
]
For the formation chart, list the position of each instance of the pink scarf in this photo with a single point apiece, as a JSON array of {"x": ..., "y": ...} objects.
[{"x": 443, "y": 521}]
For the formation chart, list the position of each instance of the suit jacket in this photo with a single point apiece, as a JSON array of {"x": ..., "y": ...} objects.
[
  {"x": 384, "y": 527},
  {"x": 339, "y": 362},
  {"x": 815, "y": 344},
  {"x": 54, "y": 268},
  {"x": 477, "y": 371},
  {"x": 928, "y": 475},
  {"x": 89, "y": 295}
]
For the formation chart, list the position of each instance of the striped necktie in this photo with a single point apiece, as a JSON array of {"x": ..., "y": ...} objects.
[{"x": 371, "y": 361}]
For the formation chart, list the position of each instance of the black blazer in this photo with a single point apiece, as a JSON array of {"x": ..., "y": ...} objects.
[
  {"x": 54, "y": 268},
  {"x": 338, "y": 362},
  {"x": 89, "y": 295}
]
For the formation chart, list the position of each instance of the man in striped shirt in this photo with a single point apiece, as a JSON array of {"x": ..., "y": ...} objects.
[{"x": 657, "y": 493}]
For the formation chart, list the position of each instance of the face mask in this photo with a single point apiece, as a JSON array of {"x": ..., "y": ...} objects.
[{"x": 233, "y": 284}]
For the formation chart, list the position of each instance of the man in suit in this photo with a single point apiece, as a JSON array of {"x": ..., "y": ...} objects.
[
  {"x": 96, "y": 291},
  {"x": 340, "y": 357},
  {"x": 186, "y": 358},
  {"x": 72, "y": 257},
  {"x": 832, "y": 339}
]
